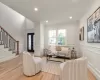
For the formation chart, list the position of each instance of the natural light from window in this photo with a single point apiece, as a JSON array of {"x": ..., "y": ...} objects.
[
  {"x": 52, "y": 37},
  {"x": 57, "y": 37}
]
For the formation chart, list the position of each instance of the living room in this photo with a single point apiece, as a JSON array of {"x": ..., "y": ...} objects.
[{"x": 59, "y": 35}]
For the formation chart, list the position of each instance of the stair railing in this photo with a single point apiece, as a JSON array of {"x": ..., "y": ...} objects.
[{"x": 8, "y": 41}]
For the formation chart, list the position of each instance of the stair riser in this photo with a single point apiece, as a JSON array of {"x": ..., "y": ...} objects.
[
  {"x": 5, "y": 54},
  {"x": 6, "y": 50},
  {"x": 5, "y": 40}
]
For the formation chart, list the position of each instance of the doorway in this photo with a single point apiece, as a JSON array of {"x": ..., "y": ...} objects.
[{"x": 30, "y": 42}]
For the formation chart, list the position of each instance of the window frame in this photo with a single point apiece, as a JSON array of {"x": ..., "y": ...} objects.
[
  {"x": 52, "y": 37},
  {"x": 57, "y": 37}
]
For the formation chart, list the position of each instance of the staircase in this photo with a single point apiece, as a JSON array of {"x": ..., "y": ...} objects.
[{"x": 9, "y": 47}]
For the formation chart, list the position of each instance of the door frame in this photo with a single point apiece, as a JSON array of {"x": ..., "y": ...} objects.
[{"x": 32, "y": 42}]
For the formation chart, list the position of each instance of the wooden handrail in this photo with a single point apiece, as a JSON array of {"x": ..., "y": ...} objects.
[
  {"x": 12, "y": 38},
  {"x": 8, "y": 33}
]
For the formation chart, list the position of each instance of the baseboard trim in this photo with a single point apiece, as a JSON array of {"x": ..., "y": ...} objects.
[{"x": 94, "y": 71}]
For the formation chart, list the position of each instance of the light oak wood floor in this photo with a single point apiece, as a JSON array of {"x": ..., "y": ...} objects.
[{"x": 12, "y": 70}]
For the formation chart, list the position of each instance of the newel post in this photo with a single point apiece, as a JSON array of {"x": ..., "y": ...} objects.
[{"x": 17, "y": 48}]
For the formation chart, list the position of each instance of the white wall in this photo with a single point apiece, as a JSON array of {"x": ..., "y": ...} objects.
[
  {"x": 42, "y": 38},
  {"x": 91, "y": 50},
  {"x": 39, "y": 39},
  {"x": 72, "y": 34},
  {"x": 29, "y": 28},
  {"x": 14, "y": 23}
]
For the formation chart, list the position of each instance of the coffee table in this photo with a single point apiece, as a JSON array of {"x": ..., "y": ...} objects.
[{"x": 49, "y": 56}]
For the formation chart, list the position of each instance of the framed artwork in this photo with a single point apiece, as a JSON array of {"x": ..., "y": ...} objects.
[
  {"x": 81, "y": 34},
  {"x": 93, "y": 27}
]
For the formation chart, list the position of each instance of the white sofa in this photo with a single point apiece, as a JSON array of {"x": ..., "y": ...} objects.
[
  {"x": 60, "y": 50},
  {"x": 66, "y": 51},
  {"x": 74, "y": 70},
  {"x": 31, "y": 64}
]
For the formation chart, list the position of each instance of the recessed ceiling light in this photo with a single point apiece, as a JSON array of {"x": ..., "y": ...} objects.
[
  {"x": 70, "y": 17},
  {"x": 46, "y": 21},
  {"x": 36, "y": 9}
]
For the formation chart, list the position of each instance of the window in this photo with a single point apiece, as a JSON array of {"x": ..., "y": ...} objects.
[
  {"x": 57, "y": 37},
  {"x": 52, "y": 37},
  {"x": 61, "y": 36}
]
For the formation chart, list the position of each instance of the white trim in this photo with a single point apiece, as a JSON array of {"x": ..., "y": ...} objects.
[
  {"x": 85, "y": 47},
  {"x": 95, "y": 71},
  {"x": 90, "y": 46},
  {"x": 57, "y": 37},
  {"x": 93, "y": 52}
]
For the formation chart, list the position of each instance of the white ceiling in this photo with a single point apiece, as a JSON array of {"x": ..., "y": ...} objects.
[{"x": 55, "y": 11}]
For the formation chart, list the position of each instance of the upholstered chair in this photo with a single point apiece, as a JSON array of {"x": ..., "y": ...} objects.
[
  {"x": 74, "y": 69},
  {"x": 31, "y": 64}
]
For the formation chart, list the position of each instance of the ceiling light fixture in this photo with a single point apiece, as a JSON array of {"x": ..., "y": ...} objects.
[
  {"x": 46, "y": 21},
  {"x": 36, "y": 9},
  {"x": 70, "y": 17}
]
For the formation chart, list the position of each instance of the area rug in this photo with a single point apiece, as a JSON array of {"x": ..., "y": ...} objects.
[{"x": 52, "y": 67}]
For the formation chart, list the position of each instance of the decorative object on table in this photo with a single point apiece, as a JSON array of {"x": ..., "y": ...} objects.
[
  {"x": 93, "y": 27},
  {"x": 81, "y": 34},
  {"x": 73, "y": 54}
]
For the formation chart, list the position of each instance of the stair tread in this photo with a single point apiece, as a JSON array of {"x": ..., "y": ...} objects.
[
  {"x": 2, "y": 50},
  {"x": 5, "y": 54}
]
